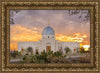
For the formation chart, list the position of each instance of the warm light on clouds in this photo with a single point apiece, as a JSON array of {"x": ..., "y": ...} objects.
[
  {"x": 62, "y": 37},
  {"x": 86, "y": 47},
  {"x": 76, "y": 37},
  {"x": 19, "y": 33},
  {"x": 34, "y": 28},
  {"x": 84, "y": 36}
]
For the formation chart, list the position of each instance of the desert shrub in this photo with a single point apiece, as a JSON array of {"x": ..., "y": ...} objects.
[
  {"x": 45, "y": 57},
  {"x": 49, "y": 58},
  {"x": 25, "y": 57},
  {"x": 57, "y": 54},
  {"x": 82, "y": 50},
  {"x": 41, "y": 61},
  {"x": 55, "y": 59},
  {"x": 16, "y": 52}
]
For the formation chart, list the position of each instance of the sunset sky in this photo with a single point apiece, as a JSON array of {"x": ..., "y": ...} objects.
[{"x": 29, "y": 24}]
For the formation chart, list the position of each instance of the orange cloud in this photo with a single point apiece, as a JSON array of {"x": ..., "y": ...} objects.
[
  {"x": 76, "y": 37},
  {"x": 19, "y": 33},
  {"x": 79, "y": 35},
  {"x": 62, "y": 37},
  {"x": 84, "y": 36}
]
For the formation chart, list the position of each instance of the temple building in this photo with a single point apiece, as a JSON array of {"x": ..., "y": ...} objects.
[{"x": 48, "y": 42}]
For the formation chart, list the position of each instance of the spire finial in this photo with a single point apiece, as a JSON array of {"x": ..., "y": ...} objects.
[{"x": 48, "y": 22}]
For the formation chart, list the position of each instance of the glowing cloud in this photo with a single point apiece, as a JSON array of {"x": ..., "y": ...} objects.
[
  {"x": 76, "y": 37},
  {"x": 19, "y": 33},
  {"x": 86, "y": 47}
]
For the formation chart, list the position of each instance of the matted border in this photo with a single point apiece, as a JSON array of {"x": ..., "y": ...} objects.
[{"x": 92, "y": 6}]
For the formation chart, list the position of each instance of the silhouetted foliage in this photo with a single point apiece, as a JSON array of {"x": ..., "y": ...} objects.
[
  {"x": 82, "y": 50},
  {"x": 83, "y": 14},
  {"x": 12, "y": 14},
  {"x": 30, "y": 50}
]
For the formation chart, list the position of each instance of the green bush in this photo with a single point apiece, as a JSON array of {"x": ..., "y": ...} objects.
[
  {"x": 25, "y": 57},
  {"x": 45, "y": 57},
  {"x": 67, "y": 49}
]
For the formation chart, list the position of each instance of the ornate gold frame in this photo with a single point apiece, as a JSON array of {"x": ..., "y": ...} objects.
[{"x": 7, "y": 6}]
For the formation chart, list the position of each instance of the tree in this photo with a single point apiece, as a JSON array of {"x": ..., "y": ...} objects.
[
  {"x": 67, "y": 49},
  {"x": 83, "y": 14},
  {"x": 82, "y": 50},
  {"x": 57, "y": 54},
  {"x": 12, "y": 14},
  {"x": 30, "y": 49},
  {"x": 16, "y": 52}
]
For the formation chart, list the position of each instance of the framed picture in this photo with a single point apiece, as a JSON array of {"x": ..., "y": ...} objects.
[{"x": 49, "y": 36}]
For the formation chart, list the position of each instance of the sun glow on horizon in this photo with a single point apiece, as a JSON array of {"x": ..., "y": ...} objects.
[{"x": 86, "y": 47}]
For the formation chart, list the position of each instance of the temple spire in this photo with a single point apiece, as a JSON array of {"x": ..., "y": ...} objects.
[{"x": 48, "y": 23}]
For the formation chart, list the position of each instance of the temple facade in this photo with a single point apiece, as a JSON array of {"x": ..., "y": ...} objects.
[{"x": 48, "y": 42}]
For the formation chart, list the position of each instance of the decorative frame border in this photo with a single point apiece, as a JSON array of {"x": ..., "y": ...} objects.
[{"x": 92, "y": 6}]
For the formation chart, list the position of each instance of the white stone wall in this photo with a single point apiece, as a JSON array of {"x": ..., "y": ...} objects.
[
  {"x": 51, "y": 41},
  {"x": 48, "y": 36},
  {"x": 25, "y": 45},
  {"x": 55, "y": 45},
  {"x": 71, "y": 45}
]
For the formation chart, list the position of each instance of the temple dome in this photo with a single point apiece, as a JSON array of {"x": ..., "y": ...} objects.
[{"x": 48, "y": 31}]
